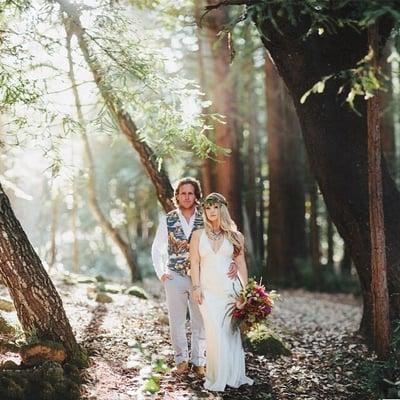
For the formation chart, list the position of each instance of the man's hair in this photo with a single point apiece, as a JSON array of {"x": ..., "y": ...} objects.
[{"x": 191, "y": 181}]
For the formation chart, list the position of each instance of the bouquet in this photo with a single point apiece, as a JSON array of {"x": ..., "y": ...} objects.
[{"x": 251, "y": 306}]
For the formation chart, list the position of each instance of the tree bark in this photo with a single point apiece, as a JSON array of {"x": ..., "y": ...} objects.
[
  {"x": 314, "y": 235},
  {"x": 74, "y": 217},
  {"x": 158, "y": 176},
  {"x": 207, "y": 170},
  {"x": 336, "y": 143},
  {"x": 228, "y": 171},
  {"x": 94, "y": 205},
  {"x": 380, "y": 296},
  {"x": 329, "y": 237},
  {"x": 39, "y": 307},
  {"x": 286, "y": 222}
]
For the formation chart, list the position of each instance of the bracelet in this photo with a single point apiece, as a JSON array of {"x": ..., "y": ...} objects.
[{"x": 195, "y": 287}]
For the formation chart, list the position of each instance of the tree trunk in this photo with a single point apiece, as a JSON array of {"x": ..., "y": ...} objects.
[
  {"x": 314, "y": 235},
  {"x": 74, "y": 216},
  {"x": 158, "y": 175},
  {"x": 345, "y": 263},
  {"x": 39, "y": 307},
  {"x": 380, "y": 297},
  {"x": 329, "y": 237},
  {"x": 207, "y": 170},
  {"x": 55, "y": 206},
  {"x": 94, "y": 205},
  {"x": 228, "y": 171},
  {"x": 336, "y": 143},
  {"x": 286, "y": 222}
]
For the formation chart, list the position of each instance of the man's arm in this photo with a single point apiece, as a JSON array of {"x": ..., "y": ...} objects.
[{"x": 159, "y": 249}]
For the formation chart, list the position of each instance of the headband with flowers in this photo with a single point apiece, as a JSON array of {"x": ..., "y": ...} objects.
[{"x": 210, "y": 200}]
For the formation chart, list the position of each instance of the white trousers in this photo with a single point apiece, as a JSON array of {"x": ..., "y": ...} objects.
[{"x": 179, "y": 297}]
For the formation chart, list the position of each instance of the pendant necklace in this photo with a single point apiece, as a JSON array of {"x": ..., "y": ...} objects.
[{"x": 215, "y": 235}]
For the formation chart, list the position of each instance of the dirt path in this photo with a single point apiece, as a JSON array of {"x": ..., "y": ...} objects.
[
  {"x": 125, "y": 338},
  {"x": 128, "y": 341}
]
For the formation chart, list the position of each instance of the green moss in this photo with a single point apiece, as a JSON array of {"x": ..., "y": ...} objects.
[
  {"x": 137, "y": 291},
  {"x": 100, "y": 278},
  {"x": 9, "y": 365},
  {"x": 6, "y": 327},
  {"x": 264, "y": 341}
]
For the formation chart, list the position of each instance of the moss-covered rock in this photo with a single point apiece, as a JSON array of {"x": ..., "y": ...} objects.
[
  {"x": 103, "y": 298},
  {"x": 264, "y": 341},
  {"x": 137, "y": 292},
  {"x": 109, "y": 287},
  {"x": 100, "y": 278},
  {"x": 8, "y": 365},
  {"x": 86, "y": 279}
]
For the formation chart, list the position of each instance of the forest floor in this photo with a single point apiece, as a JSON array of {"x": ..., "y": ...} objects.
[{"x": 128, "y": 342}]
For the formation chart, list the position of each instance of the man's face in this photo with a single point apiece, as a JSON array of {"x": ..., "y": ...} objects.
[{"x": 186, "y": 197}]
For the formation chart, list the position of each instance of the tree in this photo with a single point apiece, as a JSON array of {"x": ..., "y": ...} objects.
[
  {"x": 39, "y": 307},
  {"x": 228, "y": 169},
  {"x": 286, "y": 222},
  {"x": 378, "y": 255},
  {"x": 308, "y": 44},
  {"x": 113, "y": 233}
]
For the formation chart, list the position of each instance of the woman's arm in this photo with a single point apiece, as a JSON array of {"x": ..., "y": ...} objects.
[
  {"x": 195, "y": 266},
  {"x": 241, "y": 263}
]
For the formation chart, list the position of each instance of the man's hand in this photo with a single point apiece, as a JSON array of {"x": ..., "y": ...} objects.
[
  {"x": 233, "y": 270},
  {"x": 198, "y": 296},
  {"x": 165, "y": 277}
]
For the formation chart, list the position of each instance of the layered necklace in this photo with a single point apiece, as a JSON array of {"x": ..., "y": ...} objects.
[{"x": 215, "y": 235}]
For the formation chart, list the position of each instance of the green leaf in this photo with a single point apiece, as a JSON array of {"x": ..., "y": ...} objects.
[{"x": 151, "y": 385}]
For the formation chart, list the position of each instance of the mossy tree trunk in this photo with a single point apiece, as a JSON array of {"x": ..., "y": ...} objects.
[{"x": 38, "y": 305}]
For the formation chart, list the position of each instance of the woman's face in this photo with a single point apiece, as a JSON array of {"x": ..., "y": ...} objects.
[{"x": 213, "y": 212}]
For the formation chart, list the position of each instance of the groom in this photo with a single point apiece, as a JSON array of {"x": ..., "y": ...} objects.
[{"x": 170, "y": 254}]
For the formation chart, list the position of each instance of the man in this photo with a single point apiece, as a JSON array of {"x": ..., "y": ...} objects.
[{"x": 170, "y": 254}]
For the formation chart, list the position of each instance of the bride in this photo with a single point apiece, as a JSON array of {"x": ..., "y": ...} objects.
[{"x": 211, "y": 253}]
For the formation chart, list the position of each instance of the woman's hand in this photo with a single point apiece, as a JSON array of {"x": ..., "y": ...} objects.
[
  {"x": 198, "y": 295},
  {"x": 233, "y": 270}
]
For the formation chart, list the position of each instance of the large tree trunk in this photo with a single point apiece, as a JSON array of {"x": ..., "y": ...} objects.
[
  {"x": 286, "y": 222},
  {"x": 314, "y": 237},
  {"x": 39, "y": 307},
  {"x": 228, "y": 169},
  {"x": 158, "y": 175},
  {"x": 378, "y": 254},
  {"x": 94, "y": 205},
  {"x": 336, "y": 142},
  {"x": 207, "y": 170}
]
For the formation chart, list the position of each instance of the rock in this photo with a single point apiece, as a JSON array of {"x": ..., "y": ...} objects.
[
  {"x": 52, "y": 372},
  {"x": 103, "y": 298},
  {"x": 9, "y": 365},
  {"x": 6, "y": 305},
  {"x": 264, "y": 341},
  {"x": 37, "y": 353},
  {"x": 137, "y": 291},
  {"x": 85, "y": 279},
  {"x": 110, "y": 288},
  {"x": 91, "y": 292},
  {"x": 163, "y": 318}
]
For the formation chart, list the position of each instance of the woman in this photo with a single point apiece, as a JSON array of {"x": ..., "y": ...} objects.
[{"x": 211, "y": 253}]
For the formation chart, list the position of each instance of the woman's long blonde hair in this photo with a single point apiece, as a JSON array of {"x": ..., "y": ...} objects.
[{"x": 228, "y": 226}]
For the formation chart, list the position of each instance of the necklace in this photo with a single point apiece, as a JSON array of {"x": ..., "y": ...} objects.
[{"x": 215, "y": 235}]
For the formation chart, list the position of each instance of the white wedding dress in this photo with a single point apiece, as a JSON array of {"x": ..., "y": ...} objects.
[{"x": 225, "y": 363}]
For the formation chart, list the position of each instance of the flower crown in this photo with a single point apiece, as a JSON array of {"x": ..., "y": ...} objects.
[{"x": 213, "y": 200}]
